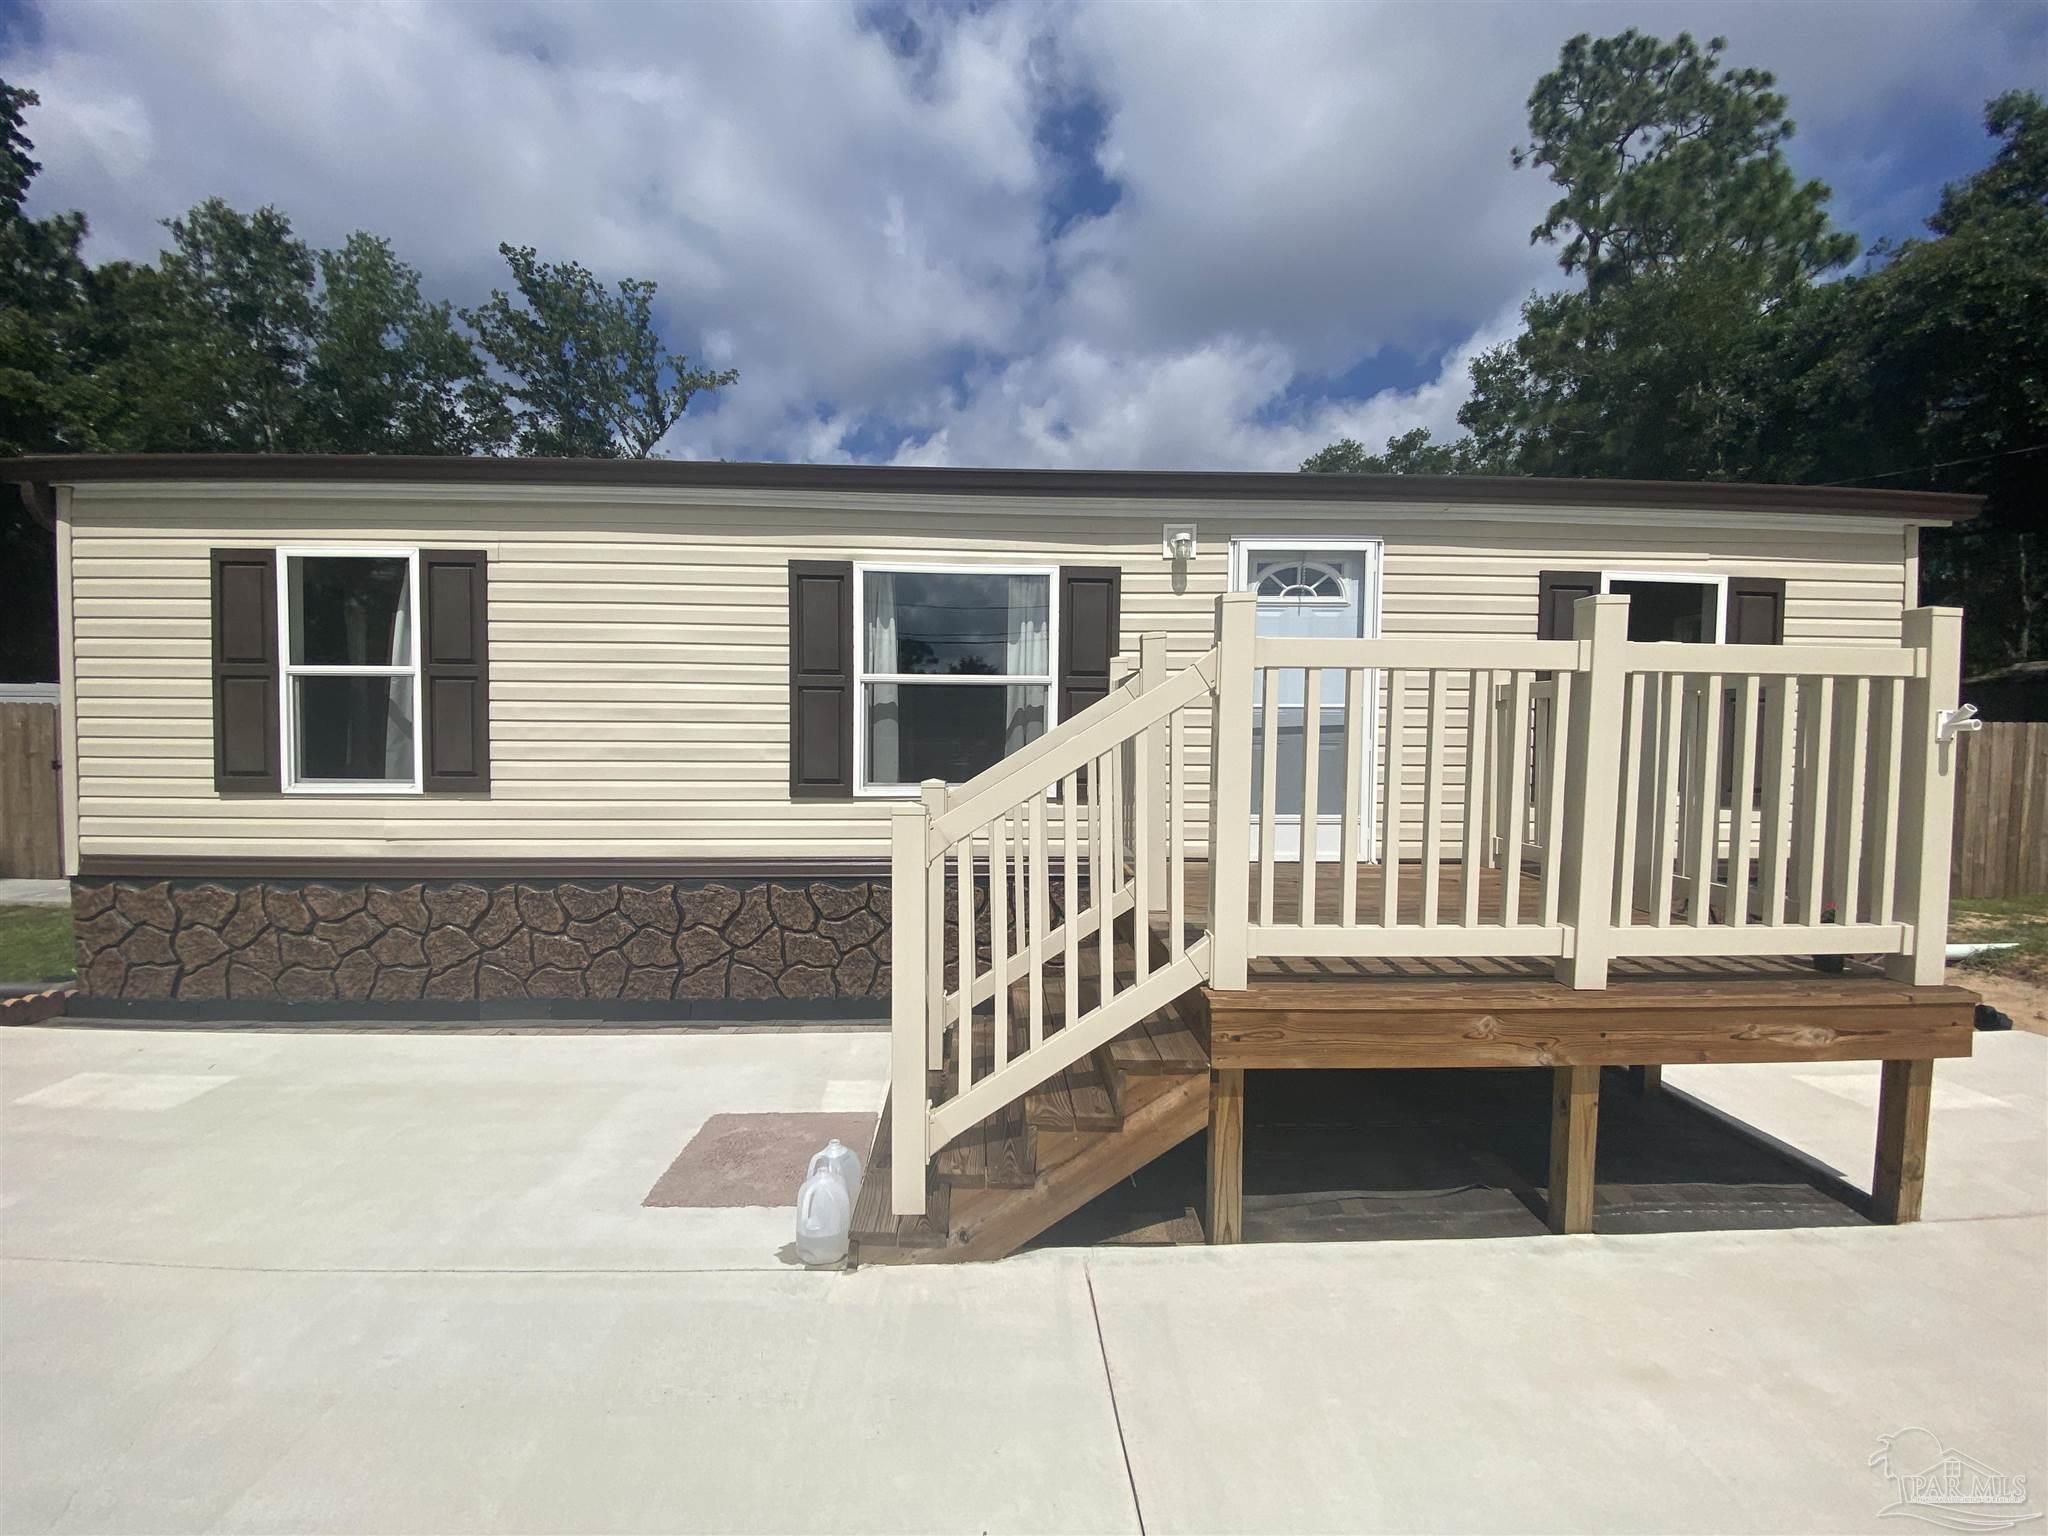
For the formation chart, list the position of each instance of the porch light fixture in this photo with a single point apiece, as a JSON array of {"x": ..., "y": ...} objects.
[{"x": 1177, "y": 542}]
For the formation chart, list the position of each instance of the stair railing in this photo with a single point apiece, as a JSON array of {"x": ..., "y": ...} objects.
[{"x": 1020, "y": 879}]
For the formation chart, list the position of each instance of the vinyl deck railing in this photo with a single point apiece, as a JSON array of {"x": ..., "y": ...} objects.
[{"x": 1580, "y": 800}]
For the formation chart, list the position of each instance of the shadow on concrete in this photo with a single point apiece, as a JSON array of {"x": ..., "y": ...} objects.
[{"x": 1364, "y": 1155}]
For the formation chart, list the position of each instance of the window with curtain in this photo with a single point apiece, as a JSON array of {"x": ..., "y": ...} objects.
[
  {"x": 351, "y": 670},
  {"x": 955, "y": 670}
]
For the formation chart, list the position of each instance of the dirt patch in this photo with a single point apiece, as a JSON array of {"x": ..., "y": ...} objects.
[
  {"x": 753, "y": 1159},
  {"x": 2025, "y": 998}
]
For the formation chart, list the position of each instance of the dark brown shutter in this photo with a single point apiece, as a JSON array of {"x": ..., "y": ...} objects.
[
  {"x": 1756, "y": 616},
  {"x": 1756, "y": 610},
  {"x": 245, "y": 722},
  {"x": 1556, "y": 591},
  {"x": 1091, "y": 617},
  {"x": 455, "y": 673},
  {"x": 820, "y": 680}
]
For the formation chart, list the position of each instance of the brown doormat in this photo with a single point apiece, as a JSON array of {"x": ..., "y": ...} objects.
[{"x": 754, "y": 1159}]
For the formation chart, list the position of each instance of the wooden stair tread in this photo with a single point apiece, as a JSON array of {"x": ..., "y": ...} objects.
[
  {"x": 1078, "y": 1097},
  {"x": 994, "y": 1153},
  {"x": 875, "y": 1233}
]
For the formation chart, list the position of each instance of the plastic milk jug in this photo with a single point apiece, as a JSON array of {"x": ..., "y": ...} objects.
[
  {"x": 844, "y": 1161},
  {"x": 824, "y": 1212}
]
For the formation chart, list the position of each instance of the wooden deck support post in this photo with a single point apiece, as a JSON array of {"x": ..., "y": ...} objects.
[
  {"x": 1225, "y": 1222},
  {"x": 1574, "y": 1130},
  {"x": 1904, "y": 1098},
  {"x": 1645, "y": 1080}
]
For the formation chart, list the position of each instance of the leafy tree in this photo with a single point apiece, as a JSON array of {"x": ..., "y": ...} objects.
[
  {"x": 42, "y": 297},
  {"x": 591, "y": 376},
  {"x": 1665, "y": 159},
  {"x": 390, "y": 372},
  {"x": 1412, "y": 453}
]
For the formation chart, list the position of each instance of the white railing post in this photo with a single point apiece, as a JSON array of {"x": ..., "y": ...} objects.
[
  {"x": 1230, "y": 792},
  {"x": 933, "y": 794},
  {"x": 1927, "y": 791},
  {"x": 1149, "y": 791},
  {"x": 909, "y": 940},
  {"x": 1593, "y": 770}
]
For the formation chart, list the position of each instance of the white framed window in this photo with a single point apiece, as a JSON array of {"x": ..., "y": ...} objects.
[
  {"x": 349, "y": 639},
  {"x": 1672, "y": 605},
  {"x": 953, "y": 669}
]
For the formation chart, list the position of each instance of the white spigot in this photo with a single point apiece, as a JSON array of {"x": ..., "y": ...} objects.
[{"x": 1951, "y": 723}]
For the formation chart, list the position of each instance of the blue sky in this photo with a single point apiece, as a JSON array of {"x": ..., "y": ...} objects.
[{"x": 1012, "y": 232}]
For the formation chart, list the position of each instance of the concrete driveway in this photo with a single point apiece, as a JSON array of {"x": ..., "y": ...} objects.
[{"x": 402, "y": 1282}]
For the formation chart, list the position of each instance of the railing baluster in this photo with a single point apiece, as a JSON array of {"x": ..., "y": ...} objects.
[
  {"x": 1311, "y": 744},
  {"x": 1478, "y": 709},
  {"x": 999, "y": 933},
  {"x": 1664, "y": 859},
  {"x": 1269, "y": 769},
  {"x": 1817, "y": 728},
  {"x": 1634, "y": 741},
  {"x": 1884, "y": 873},
  {"x": 933, "y": 794},
  {"x": 1144, "y": 806},
  {"x": 1391, "y": 776},
  {"x": 1352, "y": 803},
  {"x": 1557, "y": 740},
  {"x": 1849, "y": 824},
  {"x": 969, "y": 941},
  {"x": 1176, "y": 835},
  {"x": 1040, "y": 905},
  {"x": 1739, "y": 829},
  {"x": 1706, "y": 831},
  {"x": 1515, "y": 745},
  {"x": 1104, "y": 880},
  {"x": 1433, "y": 795},
  {"x": 1070, "y": 920},
  {"x": 1774, "y": 838}
]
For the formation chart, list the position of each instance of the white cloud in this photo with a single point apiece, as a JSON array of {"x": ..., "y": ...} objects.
[{"x": 866, "y": 234}]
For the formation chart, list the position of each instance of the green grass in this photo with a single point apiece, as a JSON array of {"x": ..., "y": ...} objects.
[
  {"x": 35, "y": 944},
  {"x": 2021, "y": 920}
]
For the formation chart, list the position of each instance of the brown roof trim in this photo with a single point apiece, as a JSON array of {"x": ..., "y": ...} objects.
[{"x": 1726, "y": 496}]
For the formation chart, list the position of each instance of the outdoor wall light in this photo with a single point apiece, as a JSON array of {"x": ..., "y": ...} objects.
[{"x": 1178, "y": 542}]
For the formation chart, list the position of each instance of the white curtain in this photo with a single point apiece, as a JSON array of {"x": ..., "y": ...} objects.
[
  {"x": 1026, "y": 650},
  {"x": 878, "y": 643},
  {"x": 401, "y": 719}
]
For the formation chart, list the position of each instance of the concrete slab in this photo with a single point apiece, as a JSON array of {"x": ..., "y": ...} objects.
[
  {"x": 393, "y": 1151},
  {"x": 1987, "y": 1145},
  {"x": 35, "y": 893},
  {"x": 384, "y": 1282},
  {"x": 1697, "y": 1382},
  {"x": 151, "y": 1400}
]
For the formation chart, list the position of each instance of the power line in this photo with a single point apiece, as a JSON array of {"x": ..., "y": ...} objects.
[{"x": 1981, "y": 458}]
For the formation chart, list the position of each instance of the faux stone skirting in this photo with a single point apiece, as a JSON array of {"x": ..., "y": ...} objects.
[{"x": 573, "y": 945}]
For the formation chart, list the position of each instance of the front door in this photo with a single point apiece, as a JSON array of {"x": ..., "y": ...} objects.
[{"x": 1317, "y": 590}]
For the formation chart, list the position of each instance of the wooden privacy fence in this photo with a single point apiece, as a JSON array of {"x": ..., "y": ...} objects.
[
  {"x": 28, "y": 792},
  {"x": 2001, "y": 824}
]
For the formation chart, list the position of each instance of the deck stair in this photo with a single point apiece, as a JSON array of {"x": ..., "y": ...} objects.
[{"x": 1005, "y": 1180}]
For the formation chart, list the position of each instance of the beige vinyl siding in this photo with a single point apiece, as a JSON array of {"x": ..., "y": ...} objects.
[{"x": 639, "y": 640}]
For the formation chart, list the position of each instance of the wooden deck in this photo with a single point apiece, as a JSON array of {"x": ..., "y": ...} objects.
[{"x": 1490, "y": 1011}]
